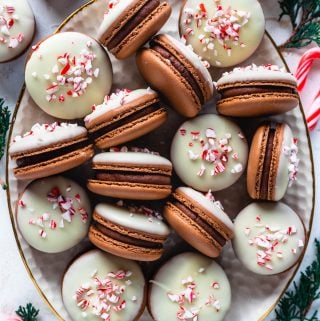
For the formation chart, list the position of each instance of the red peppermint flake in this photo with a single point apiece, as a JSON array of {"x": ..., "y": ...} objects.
[
  {"x": 119, "y": 275},
  {"x": 69, "y": 92},
  {"x": 53, "y": 195},
  {"x": 78, "y": 198},
  {"x": 65, "y": 69},
  {"x": 10, "y": 9},
  {"x": 120, "y": 307},
  {"x": 183, "y": 131},
  {"x": 61, "y": 99},
  {"x": 21, "y": 203},
  {"x": 84, "y": 214},
  {"x": 215, "y": 285},
  {"x": 53, "y": 224},
  {"x": 258, "y": 218},
  {"x": 202, "y": 8},
  {"x": 295, "y": 140},
  {"x": 10, "y": 23}
]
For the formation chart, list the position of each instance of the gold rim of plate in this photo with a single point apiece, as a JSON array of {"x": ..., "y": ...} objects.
[{"x": 42, "y": 294}]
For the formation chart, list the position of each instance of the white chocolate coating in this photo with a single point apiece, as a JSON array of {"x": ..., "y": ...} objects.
[
  {"x": 114, "y": 10},
  {"x": 220, "y": 46},
  {"x": 257, "y": 73},
  {"x": 117, "y": 100},
  {"x": 43, "y": 135},
  {"x": 44, "y": 224},
  {"x": 194, "y": 59},
  {"x": 197, "y": 280},
  {"x": 209, "y": 152},
  {"x": 131, "y": 158},
  {"x": 81, "y": 282},
  {"x": 207, "y": 204},
  {"x": 132, "y": 220},
  {"x": 16, "y": 28},
  {"x": 269, "y": 237},
  {"x": 67, "y": 74}
]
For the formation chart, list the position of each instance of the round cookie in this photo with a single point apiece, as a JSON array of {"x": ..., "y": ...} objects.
[
  {"x": 257, "y": 91},
  {"x": 53, "y": 214},
  {"x": 199, "y": 220},
  {"x": 269, "y": 237},
  {"x": 273, "y": 162},
  {"x": 222, "y": 32},
  {"x": 125, "y": 116},
  {"x": 67, "y": 73},
  {"x": 100, "y": 286},
  {"x": 16, "y": 28},
  {"x": 190, "y": 286},
  {"x": 134, "y": 233},
  {"x": 209, "y": 152},
  {"x": 128, "y": 24}
]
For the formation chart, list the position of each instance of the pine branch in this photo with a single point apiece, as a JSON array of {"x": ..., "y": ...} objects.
[
  {"x": 4, "y": 126},
  {"x": 28, "y": 313},
  {"x": 305, "y": 19},
  {"x": 296, "y": 303}
]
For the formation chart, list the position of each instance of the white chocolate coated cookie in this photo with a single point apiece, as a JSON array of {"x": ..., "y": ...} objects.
[
  {"x": 16, "y": 28},
  {"x": 223, "y": 32},
  {"x": 53, "y": 214},
  {"x": 99, "y": 286},
  {"x": 68, "y": 73},
  {"x": 269, "y": 237},
  {"x": 190, "y": 286},
  {"x": 209, "y": 152}
]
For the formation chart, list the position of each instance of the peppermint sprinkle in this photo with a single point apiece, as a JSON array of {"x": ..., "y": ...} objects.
[{"x": 291, "y": 153}]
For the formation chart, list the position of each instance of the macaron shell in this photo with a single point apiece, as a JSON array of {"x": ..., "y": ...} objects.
[
  {"x": 143, "y": 32},
  {"x": 55, "y": 165},
  {"x": 253, "y": 105},
  {"x": 127, "y": 190},
  {"x": 191, "y": 232},
  {"x": 133, "y": 130},
  {"x": 122, "y": 249}
]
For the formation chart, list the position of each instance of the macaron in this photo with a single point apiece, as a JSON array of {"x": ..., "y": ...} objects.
[
  {"x": 136, "y": 233},
  {"x": 67, "y": 73},
  {"x": 222, "y": 32},
  {"x": 209, "y": 152},
  {"x": 177, "y": 73},
  {"x": 17, "y": 28},
  {"x": 53, "y": 214},
  {"x": 273, "y": 162},
  {"x": 125, "y": 116},
  {"x": 199, "y": 220},
  {"x": 128, "y": 24},
  {"x": 100, "y": 286},
  {"x": 269, "y": 237},
  {"x": 130, "y": 175},
  {"x": 257, "y": 91},
  {"x": 49, "y": 149},
  {"x": 190, "y": 286}
]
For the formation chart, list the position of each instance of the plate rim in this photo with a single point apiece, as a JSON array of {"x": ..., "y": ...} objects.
[{"x": 11, "y": 214}]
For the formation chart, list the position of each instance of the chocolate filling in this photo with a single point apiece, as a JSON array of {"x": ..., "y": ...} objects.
[
  {"x": 134, "y": 177},
  {"x": 202, "y": 223},
  {"x": 185, "y": 73},
  {"x": 127, "y": 120},
  {"x": 239, "y": 91},
  {"x": 264, "y": 185},
  {"x": 127, "y": 239},
  {"x": 132, "y": 23},
  {"x": 46, "y": 156}
]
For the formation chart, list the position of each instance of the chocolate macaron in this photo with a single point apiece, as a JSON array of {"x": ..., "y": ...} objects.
[
  {"x": 124, "y": 116},
  {"x": 273, "y": 162},
  {"x": 177, "y": 73},
  {"x": 131, "y": 175},
  {"x": 128, "y": 24},
  {"x": 199, "y": 220},
  {"x": 134, "y": 232},
  {"x": 50, "y": 149},
  {"x": 256, "y": 91}
]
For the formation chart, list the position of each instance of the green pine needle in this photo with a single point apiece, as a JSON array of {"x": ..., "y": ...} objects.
[
  {"x": 4, "y": 126},
  {"x": 28, "y": 313},
  {"x": 305, "y": 19},
  {"x": 296, "y": 303}
]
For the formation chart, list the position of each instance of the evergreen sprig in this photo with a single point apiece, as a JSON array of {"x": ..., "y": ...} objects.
[
  {"x": 296, "y": 303},
  {"x": 305, "y": 19},
  {"x": 28, "y": 313},
  {"x": 4, "y": 126}
]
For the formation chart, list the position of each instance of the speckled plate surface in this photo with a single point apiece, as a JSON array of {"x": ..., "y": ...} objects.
[{"x": 253, "y": 297}]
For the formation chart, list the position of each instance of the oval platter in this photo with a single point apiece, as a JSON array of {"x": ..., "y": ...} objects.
[{"x": 253, "y": 297}]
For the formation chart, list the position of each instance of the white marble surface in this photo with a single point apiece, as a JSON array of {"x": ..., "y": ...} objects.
[{"x": 16, "y": 286}]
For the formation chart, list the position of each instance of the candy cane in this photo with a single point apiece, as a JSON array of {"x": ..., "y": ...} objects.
[{"x": 303, "y": 70}]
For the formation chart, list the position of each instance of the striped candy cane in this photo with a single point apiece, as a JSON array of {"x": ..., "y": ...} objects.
[{"x": 304, "y": 67}]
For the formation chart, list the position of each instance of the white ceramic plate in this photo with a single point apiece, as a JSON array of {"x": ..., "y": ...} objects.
[{"x": 253, "y": 297}]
